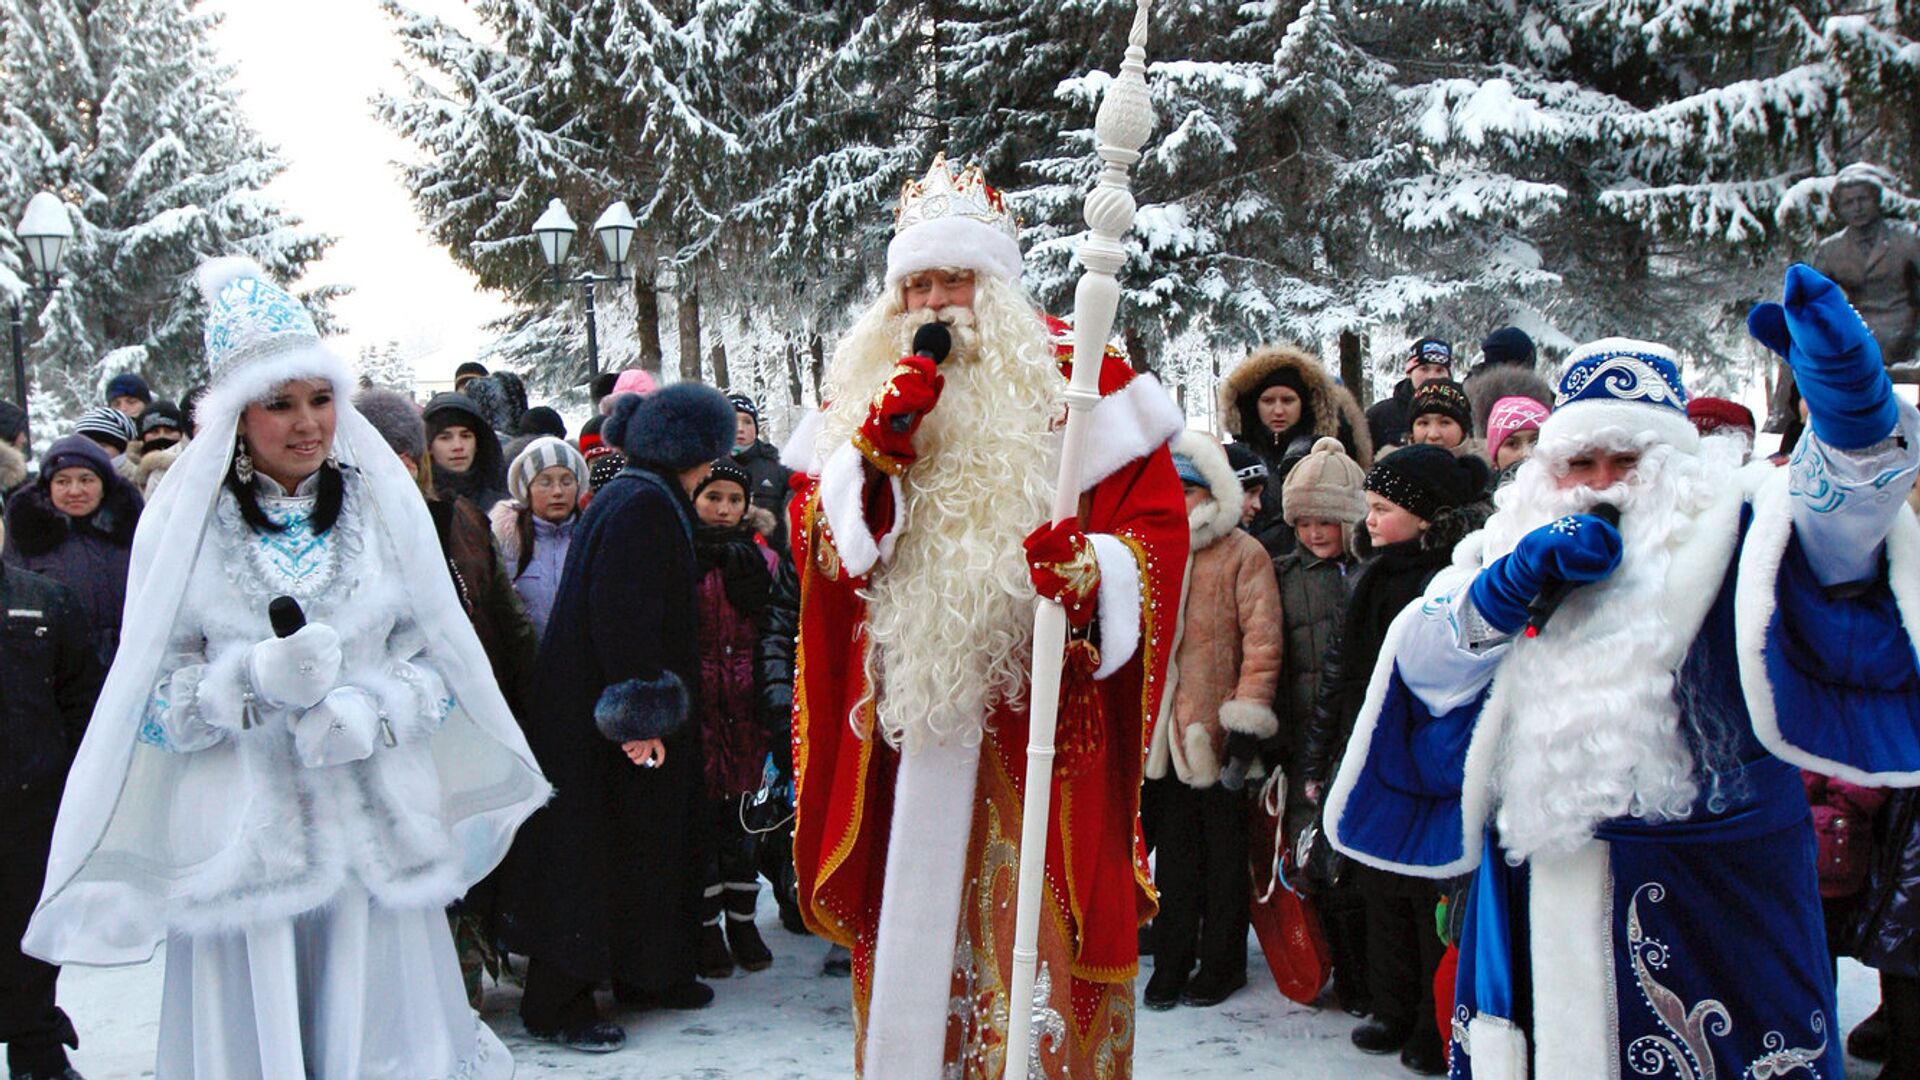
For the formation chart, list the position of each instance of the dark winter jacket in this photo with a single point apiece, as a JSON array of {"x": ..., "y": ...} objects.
[
  {"x": 1313, "y": 600},
  {"x": 736, "y": 583},
  {"x": 1395, "y": 576},
  {"x": 88, "y": 555},
  {"x": 1329, "y": 410},
  {"x": 605, "y": 880},
  {"x": 773, "y": 661},
  {"x": 1887, "y": 935},
  {"x": 481, "y": 582},
  {"x": 49, "y": 678},
  {"x": 769, "y": 491},
  {"x": 1390, "y": 419}
]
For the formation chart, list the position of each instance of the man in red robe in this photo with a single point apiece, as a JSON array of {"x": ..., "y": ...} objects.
[{"x": 919, "y": 490}]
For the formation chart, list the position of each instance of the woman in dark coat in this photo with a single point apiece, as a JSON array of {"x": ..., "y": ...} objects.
[
  {"x": 75, "y": 525},
  {"x": 605, "y": 883},
  {"x": 1278, "y": 402}
]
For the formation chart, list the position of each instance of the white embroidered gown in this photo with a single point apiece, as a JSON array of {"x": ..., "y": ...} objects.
[{"x": 313, "y": 940}]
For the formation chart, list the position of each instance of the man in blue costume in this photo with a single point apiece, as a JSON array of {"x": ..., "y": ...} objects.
[{"x": 1647, "y": 903}]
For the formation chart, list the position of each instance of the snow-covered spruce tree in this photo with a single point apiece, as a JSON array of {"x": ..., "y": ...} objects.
[{"x": 121, "y": 107}]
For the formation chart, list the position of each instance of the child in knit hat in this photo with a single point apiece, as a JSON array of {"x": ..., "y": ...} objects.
[
  {"x": 534, "y": 528},
  {"x": 1513, "y": 428},
  {"x": 1441, "y": 415},
  {"x": 1324, "y": 502},
  {"x": 736, "y": 567},
  {"x": 1417, "y": 510}
]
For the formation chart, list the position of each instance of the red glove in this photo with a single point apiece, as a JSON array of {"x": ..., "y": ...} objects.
[
  {"x": 886, "y": 437},
  {"x": 1062, "y": 564}
]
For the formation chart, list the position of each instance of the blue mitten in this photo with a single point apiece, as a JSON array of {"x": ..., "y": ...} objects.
[
  {"x": 1835, "y": 360},
  {"x": 1579, "y": 548}
]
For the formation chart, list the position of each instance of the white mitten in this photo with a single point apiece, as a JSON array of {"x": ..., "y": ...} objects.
[
  {"x": 298, "y": 670},
  {"x": 338, "y": 730}
]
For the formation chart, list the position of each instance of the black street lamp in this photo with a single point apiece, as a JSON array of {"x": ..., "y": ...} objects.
[
  {"x": 555, "y": 231},
  {"x": 45, "y": 231}
]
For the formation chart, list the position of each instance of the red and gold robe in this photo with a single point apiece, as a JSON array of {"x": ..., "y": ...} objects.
[{"x": 1098, "y": 888}]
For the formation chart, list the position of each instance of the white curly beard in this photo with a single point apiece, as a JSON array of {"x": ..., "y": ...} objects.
[
  {"x": 950, "y": 614},
  {"x": 1595, "y": 727}
]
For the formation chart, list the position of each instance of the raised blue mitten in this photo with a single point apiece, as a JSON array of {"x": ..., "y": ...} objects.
[
  {"x": 1835, "y": 359},
  {"x": 1579, "y": 548}
]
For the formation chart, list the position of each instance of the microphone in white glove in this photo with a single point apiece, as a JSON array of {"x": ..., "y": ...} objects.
[{"x": 296, "y": 671}]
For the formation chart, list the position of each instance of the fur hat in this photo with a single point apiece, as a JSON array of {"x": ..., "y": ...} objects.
[
  {"x": 541, "y": 454},
  {"x": 397, "y": 419},
  {"x": 1425, "y": 480},
  {"x": 1446, "y": 398},
  {"x": 501, "y": 399},
  {"x": 1326, "y": 485},
  {"x": 673, "y": 429},
  {"x": 112, "y": 425},
  {"x": 1486, "y": 385},
  {"x": 128, "y": 384}
]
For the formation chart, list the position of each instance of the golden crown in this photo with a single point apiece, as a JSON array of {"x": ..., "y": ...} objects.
[{"x": 941, "y": 194}]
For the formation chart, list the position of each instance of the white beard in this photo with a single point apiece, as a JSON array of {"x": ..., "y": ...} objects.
[
  {"x": 1594, "y": 731},
  {"x": 950, "y": 614}
]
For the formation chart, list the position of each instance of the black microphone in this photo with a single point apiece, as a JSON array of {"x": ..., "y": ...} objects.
[
  {"x": 933, "y": 341},
  {"x": 1552, "y": 596},
  {"x": 285, "y": 615}
]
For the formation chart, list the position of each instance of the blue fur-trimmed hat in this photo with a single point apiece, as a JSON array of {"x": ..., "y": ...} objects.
[
  {"x": 672, "y": 429},
  {"x": 1623, "y": 384}
]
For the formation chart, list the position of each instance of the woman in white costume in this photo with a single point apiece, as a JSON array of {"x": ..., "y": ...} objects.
[{"x": 290, "y": 814}]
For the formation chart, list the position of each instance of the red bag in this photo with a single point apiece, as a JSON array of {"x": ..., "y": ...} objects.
[{"x": 1286, "y": 924}]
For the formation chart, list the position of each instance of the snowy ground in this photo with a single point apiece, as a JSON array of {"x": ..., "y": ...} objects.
[{"x": 790, "y": 1023}]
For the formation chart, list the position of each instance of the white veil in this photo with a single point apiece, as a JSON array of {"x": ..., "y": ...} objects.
[{"x": 106, "y": 896}]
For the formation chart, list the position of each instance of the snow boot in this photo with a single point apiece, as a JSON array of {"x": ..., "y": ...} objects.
[
  {"x": 1868, "y": 1040},
  {"x": 1376, "y": 1036},
  {"x": 714, "y": 961},
  {"x": 1211, "y": 987},
  {"x": 597, "y": 1038},
  {"x": 1164, "y": 988},
  {"x": 743, "y": 937},
  {"x": 839, "y": 962}
]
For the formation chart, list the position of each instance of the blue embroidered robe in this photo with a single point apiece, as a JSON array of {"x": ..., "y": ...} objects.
[{"x": 1687, "y": 948}]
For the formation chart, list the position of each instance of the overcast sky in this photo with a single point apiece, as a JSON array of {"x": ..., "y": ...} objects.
[{"x": 305, "y": 71}]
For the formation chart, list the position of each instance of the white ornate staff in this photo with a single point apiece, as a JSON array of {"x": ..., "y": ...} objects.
[{"x": 1121, "y": 129}]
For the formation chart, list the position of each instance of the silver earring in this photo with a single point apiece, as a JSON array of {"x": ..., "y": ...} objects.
[{"x": 242, "y": 463}]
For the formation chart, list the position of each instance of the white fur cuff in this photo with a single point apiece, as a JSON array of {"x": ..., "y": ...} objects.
[
  {"x": 1249, "y": 718},
  {"x": 843, "y": 491},
  {"x": 1120, "y": 585}
]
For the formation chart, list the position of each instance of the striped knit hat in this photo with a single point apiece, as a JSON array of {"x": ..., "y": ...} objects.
[
  {"x": 541, "y": 454},
  {"x": 101, "y": 422}
]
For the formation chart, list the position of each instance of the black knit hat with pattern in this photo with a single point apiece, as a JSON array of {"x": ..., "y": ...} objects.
[
  {"x": 1425, "y": 480},
  {"x": 1446, "y": 397}
]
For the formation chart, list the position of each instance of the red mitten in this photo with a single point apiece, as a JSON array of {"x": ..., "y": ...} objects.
[
  {"x": 886, "y": 437},
  {"x": 1062, "y": 564}
]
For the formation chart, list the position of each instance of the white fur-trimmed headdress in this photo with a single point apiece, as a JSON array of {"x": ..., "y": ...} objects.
[
  {"x": 953, "y": 222},
  {"x": 257, "y": 337},
  {"x": 1622, "y": 385}
]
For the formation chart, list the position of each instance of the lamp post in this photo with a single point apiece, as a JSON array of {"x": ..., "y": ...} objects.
[
  {"x": 45, "y": 231},
  {"x": 555, "y": 231}
]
